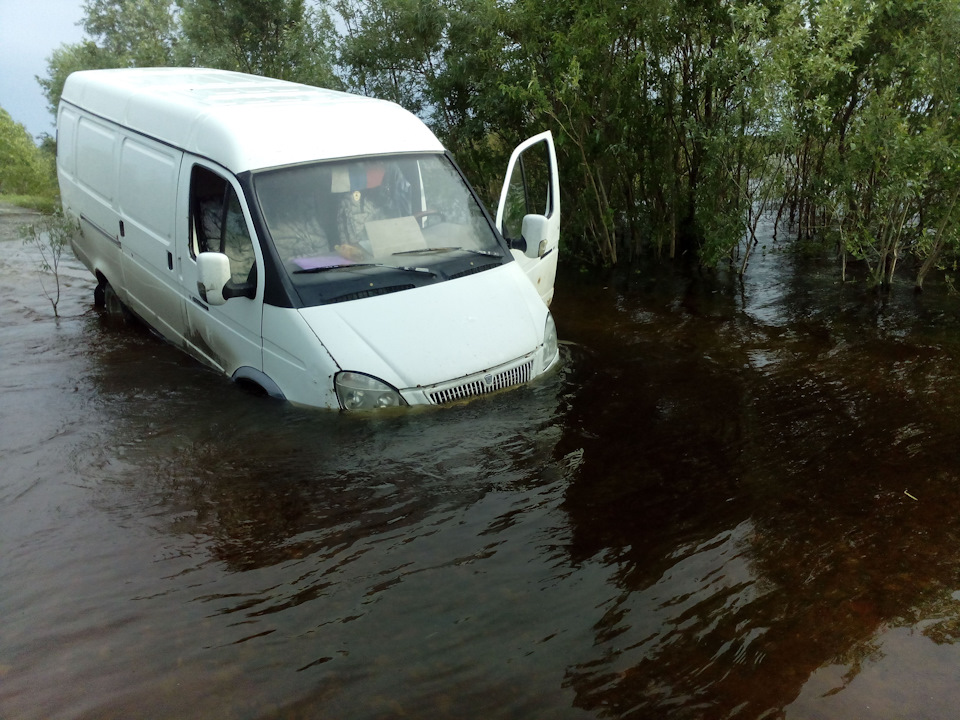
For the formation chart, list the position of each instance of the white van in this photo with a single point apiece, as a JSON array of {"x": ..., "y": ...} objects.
[{"x": 320, "y": 246}]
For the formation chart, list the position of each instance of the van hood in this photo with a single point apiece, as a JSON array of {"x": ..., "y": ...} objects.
[{"x": 435, "y": 333}]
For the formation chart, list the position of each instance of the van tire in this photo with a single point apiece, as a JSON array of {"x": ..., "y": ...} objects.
[{"x": 114, "y": 310}]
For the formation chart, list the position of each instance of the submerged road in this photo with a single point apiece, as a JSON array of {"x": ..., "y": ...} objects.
[{"x": 733, "y": 501}]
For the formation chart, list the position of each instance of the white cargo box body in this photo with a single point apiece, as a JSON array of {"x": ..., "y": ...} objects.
[
  {"x": 320, "y": 245},
  {"x": 246, "y": 122}
]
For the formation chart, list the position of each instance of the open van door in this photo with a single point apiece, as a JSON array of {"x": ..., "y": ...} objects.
[{"x": 528, "y": 215}]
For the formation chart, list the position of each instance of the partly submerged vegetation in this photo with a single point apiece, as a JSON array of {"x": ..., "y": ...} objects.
[{"x": 679, "y": 123}]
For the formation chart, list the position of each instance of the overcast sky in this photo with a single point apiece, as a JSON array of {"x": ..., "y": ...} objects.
[{"x": 30, "y": 30}]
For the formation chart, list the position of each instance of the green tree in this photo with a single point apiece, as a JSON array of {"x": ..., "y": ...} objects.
[
  {"x": 120, "y": 33},
  {"x": 24, "y": 169},
  {"x": 277, "y": 38},
  {"x": 870, "y": 118},
  {"x": 141, "y": 33},
  {"x": 678, "y": 122},
  {"x": 49, "y": 237},
  {"x": 69, "y": 58}
]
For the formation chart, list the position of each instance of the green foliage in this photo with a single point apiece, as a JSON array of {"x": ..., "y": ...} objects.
[
  {"x": 49, "y": 236},
  {"x": 40, "y": 203},
  {"x": 139, "y": 33},
  {"x": 679, "y": 123},
  {"x": 24, "y": 168},
  {"x": 70, "y": 58},
  {"x": 121, "y": 33},
  {"x": 275, "y": 38},
  {"x": 871, "y": 129}
]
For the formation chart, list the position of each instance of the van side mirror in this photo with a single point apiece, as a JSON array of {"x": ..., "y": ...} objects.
[
  {"x": 534, "y": 230},
  {"x": 213, "y": 274}
]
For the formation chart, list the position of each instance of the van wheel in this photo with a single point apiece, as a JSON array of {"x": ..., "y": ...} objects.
[
  {"x": 115, "y": 310},
  {"x": 98, "y": 293}
]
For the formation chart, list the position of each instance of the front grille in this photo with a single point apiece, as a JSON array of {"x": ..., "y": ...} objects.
[{"x": 481, "y": 384}]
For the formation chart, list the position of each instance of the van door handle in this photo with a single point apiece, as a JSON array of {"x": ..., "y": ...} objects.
[{"x": 199, "y": 304}]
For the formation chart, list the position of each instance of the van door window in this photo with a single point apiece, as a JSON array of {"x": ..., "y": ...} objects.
[
  {"x": 217, "y": 224},
  {"x": 529, "y": 189}
]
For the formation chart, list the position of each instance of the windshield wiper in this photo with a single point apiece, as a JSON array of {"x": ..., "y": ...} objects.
[
  {"x": 324, "y": 268},
  {"x": 350, "y": 266},
  {"x": 425, "y": 251}
]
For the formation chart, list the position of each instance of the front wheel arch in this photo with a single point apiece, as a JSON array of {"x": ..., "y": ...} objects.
[{"x": 255, "y": 379}]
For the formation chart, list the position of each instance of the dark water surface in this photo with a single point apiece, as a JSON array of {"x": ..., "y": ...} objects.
[{"x": 732, "y": 502}]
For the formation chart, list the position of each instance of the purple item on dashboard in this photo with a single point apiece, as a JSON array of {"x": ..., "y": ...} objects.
[{"x": 321, "y": 261}]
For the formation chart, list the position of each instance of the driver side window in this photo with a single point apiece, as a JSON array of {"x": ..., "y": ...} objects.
[{"x": 217, "y": 224}]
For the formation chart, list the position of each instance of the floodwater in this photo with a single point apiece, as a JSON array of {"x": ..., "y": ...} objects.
[{"x": 733, "y": 501}]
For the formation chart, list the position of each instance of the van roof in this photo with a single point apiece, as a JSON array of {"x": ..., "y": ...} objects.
[{"x": 246, "y": 122}]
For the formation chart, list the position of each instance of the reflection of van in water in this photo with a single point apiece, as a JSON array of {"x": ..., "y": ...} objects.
[{"x": 319, "y": 245}]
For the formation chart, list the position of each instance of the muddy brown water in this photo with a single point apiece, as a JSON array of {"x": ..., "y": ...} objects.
[{"x": 733, "y": 501}]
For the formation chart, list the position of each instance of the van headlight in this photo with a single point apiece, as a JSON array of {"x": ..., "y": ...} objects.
[
  {"x": 549, "y": 341},
  {"x": 357, "y": 391}
]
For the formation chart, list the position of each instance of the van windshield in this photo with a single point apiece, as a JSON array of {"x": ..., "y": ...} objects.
[{"x": 367, "y": 222}]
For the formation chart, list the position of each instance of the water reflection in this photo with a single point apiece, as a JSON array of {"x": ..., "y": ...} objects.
[
  {"x": 268, "y": 482},
  {"x": 735, "y": 500},
  {"x": 362, "y": 553},
  {"x": 753, "y": 508}
]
